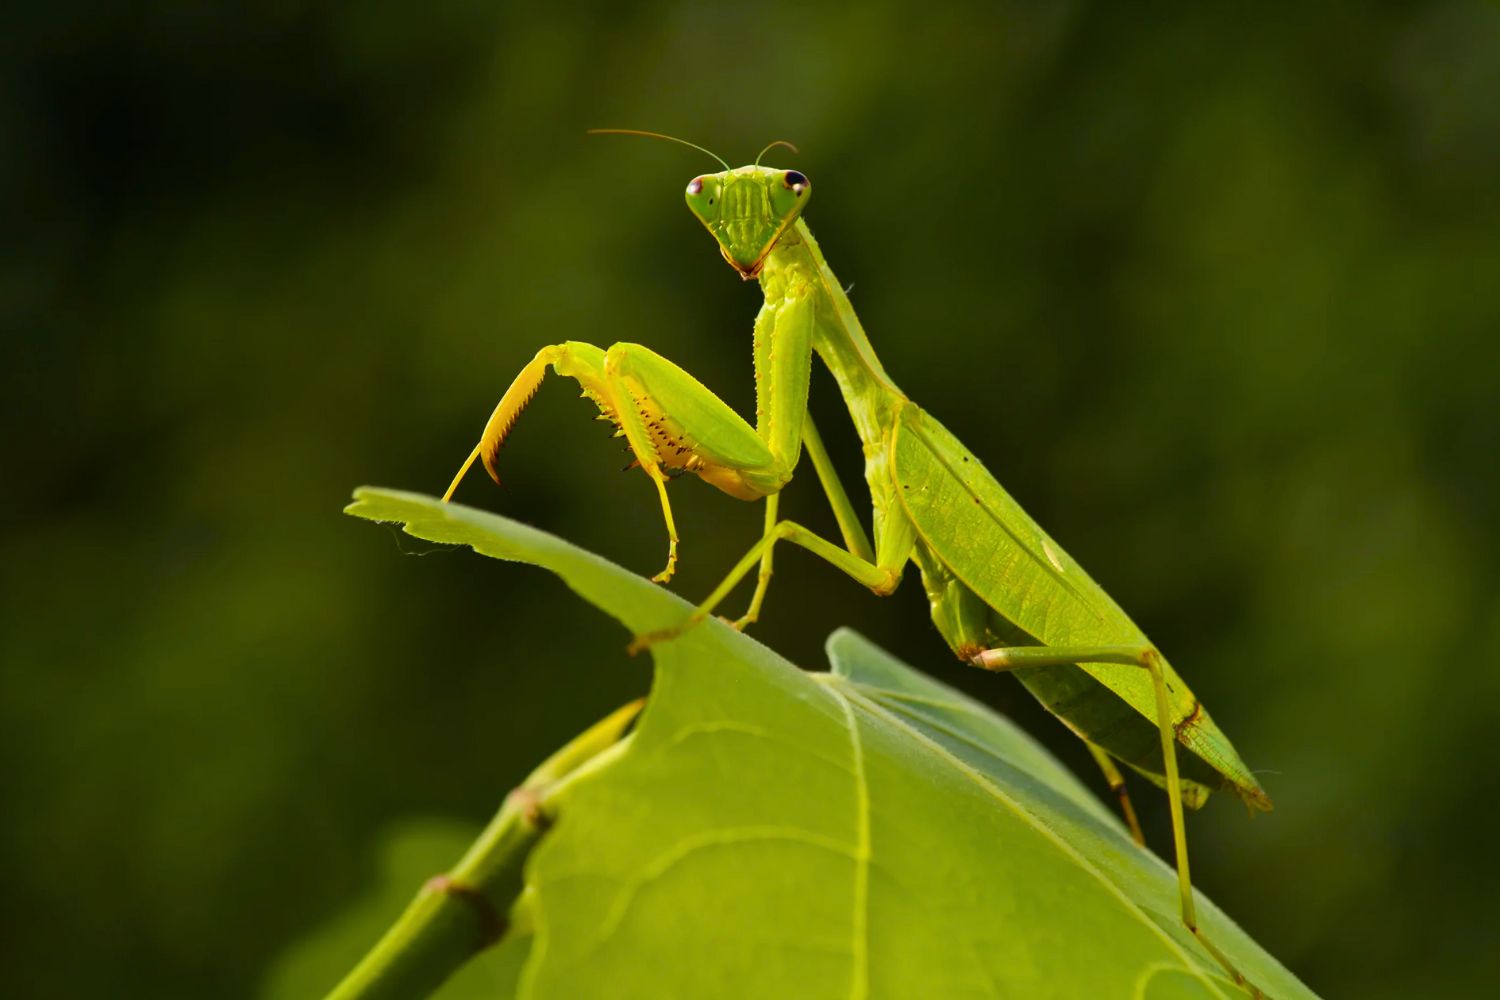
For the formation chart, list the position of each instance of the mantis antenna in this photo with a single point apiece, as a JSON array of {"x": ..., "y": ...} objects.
[
  {"x": 778, "y": 142},
  {"x": 659, "y": 135}
]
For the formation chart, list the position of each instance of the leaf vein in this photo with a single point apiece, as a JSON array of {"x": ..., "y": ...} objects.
[
  {"x": 687, "y": 846},
  {"x": 968, "y": 771},
  {"x": 859, "y": 978}
]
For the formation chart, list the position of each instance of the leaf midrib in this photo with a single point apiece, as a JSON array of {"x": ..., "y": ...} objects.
[{"x": 851, "y": 694}]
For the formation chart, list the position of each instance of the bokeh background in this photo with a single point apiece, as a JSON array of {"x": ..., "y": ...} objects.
[{"x": 1216, "y": 289}]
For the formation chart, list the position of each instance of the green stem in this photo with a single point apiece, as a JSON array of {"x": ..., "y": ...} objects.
[{"x": 457, "y": 915}]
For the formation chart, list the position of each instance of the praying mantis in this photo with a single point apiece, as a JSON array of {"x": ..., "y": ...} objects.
[{"x": 1003, "y": 594}]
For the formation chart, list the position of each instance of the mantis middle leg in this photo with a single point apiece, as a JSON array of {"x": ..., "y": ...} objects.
[
  {"x": 878, "y": 568},
  {"x": 855, "y": 538}
]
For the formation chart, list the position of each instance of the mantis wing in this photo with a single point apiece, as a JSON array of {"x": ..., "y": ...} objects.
[{"x": 996, "y": 550}]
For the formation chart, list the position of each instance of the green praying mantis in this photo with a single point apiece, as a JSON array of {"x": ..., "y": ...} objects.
[{"x": 1003, "y": 594}]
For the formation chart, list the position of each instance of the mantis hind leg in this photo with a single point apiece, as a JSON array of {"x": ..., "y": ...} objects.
[
  {"x": 1013, "y": 657},
  {"x": 1116, "y": 782}
]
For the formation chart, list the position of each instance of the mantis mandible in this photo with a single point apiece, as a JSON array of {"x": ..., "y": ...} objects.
[{"x": 1004, "y": 595}]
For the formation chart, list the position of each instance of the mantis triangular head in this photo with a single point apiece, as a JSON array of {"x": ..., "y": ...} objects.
[{"x": 748, "y": 210}]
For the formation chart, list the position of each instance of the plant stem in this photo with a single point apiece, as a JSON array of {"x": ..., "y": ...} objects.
[{"x": 457, "y": 915}]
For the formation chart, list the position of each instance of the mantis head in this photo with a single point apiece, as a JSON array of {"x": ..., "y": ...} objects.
[{"x": 747, "y": 211}]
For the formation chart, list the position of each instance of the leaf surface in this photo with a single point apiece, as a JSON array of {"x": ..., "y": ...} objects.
[{"x": 866, "y": 832}]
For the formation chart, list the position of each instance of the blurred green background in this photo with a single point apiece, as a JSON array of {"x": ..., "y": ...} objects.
[{"x": 1217, "y": 291}]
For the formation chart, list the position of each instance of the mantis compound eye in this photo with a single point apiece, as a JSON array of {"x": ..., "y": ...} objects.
[
  {"x": 798, "y": 182},
  {"x": 695, "y": 186}
]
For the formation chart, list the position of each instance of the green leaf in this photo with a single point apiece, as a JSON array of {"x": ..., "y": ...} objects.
[{"x": 865, "y": 833}]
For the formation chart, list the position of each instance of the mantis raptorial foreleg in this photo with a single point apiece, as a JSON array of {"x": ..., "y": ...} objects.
[
  {"x": 672, "y": 423},
  {"x": 590, "y": 367},
  {"x": 1015, "y": 657}
]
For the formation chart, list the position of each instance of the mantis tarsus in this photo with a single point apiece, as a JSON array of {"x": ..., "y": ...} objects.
[{"x": 1004, "y": 595}]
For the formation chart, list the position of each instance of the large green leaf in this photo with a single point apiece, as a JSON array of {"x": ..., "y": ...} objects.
[{"x": 866, "y": 832}]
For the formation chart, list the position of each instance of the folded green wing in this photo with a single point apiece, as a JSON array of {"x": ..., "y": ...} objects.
[{"x": 984, "y": 537}]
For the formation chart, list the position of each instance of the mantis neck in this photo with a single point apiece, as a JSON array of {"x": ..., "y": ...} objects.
[{"x": 796, "y": 266}]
